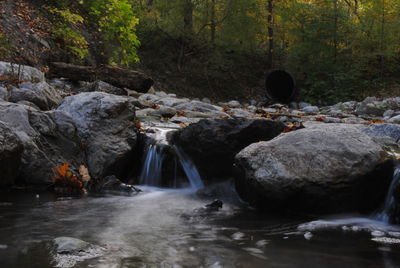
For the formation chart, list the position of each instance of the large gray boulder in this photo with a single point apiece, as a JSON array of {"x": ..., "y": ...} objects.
[
  {"x": 321, "y": 169},
  {"x": 21, "y": 72},
  {"x": 213, "y": 143},
  {"x": 49, "y": 139},
  {"x": 41, "y": 94},
  {"x": 10, "y": 154},
  {"x": 106, "y": 124}
]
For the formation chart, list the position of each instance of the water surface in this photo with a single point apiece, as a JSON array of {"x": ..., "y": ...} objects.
[{"x": 162, "y": 228}]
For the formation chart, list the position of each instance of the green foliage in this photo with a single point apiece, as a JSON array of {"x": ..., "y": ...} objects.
[
  {"x": 117, "y": 23},
  {"x": 70, "y": 38}
]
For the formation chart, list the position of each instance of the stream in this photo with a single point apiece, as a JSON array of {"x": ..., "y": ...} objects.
[
  {"x": 162, "y": 228},
  {"x": 165, "y": 227}
]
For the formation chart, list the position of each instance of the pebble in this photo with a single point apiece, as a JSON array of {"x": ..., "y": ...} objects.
[
  {"x": 308, "y": 235},
  {"x": 377, "y": 233},
  {"x": 238, "y": 236}
]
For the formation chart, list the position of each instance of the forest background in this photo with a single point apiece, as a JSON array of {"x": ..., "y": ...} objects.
[{"x": 337, "y": 50}]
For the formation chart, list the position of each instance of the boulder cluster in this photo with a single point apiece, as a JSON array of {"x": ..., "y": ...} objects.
[{"x": 291, "y": 157}]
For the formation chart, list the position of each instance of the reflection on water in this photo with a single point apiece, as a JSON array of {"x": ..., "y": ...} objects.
[{"x": 162, "y": 228}]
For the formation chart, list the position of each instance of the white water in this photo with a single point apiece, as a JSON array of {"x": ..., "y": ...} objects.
[
  {"x": 384, "y": 214},
  {"x": 151, "y": 174},
  {"x": 190, "y": 169},
  {"x": 378, "y": 225}
]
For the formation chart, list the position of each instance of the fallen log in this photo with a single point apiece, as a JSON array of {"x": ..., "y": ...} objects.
[{"x": 116, "y": 76}]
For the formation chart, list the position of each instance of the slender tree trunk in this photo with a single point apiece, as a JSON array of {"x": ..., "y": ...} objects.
[
  {"x": 270, "y": 20},
  {"x": 335, "y": 31},
  {"x": 213, "y": 22},
  {"x": 188, "y": 17}
]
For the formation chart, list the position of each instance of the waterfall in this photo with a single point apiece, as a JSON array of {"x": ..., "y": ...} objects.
[
  {"x": 190, "y": 169},
  {"x": 155, "y": 163},
  {"x": 390, "y": 202},
  {"x": 152, "y": 167}
]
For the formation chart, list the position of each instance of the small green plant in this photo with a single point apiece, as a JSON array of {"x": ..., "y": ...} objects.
[{"x": 4, "y": 46}]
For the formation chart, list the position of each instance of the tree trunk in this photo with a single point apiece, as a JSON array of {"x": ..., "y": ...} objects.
[
  {"x": 115, "y": 76},
  {"x": 188, "y": 17},
  {"x": 270, "y": 20},
  {"x": 213, "y": 22}
]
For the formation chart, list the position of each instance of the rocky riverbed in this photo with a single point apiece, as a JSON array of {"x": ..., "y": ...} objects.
[{"x": 341, "y": 154}]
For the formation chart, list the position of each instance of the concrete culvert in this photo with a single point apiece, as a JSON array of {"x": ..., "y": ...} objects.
[{"x": 280, "y": 85}]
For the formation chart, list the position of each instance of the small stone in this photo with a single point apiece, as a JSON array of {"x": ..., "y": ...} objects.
[
  {"x": 308, "y": 235},
  {"x": 310, "y": 109},
  {"x": 206, "y": 100},
  {"x": 68, "y": 245},
  {"x": 302, "y": 105},
  {"x": 238, "y": 236},
  {"x": 395, "y": 120},
  {"x": 388, "y": 113},
  {"x": 234, "y": 104},
  {"x": 377, "y": 233},
  {"x": 161, "y": 94}
]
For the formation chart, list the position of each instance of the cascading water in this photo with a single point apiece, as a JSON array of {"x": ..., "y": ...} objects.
[
  {"x": 390, "y": 203},
  {"x": 190, "y": 169},
  {"x": 152, "y": 167},
  {"x": 155, "y": 160}
]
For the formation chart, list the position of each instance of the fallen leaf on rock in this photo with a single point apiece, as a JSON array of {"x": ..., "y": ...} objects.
[
  {"x": 293, "y": 126},
  {"x": 320, "y": 118},
  {"x": 84, "y": 172},
  {"x": 180, "y": 113},
  {"x": 376, "y": 121},
  {"x": 138, "y": 125}
]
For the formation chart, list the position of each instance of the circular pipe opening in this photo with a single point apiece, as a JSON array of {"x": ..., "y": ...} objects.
[{"x": 280, "y": 86}]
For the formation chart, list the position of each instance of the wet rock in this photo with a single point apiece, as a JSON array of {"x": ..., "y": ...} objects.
[
  {"x": 68, "y": 251},
  {"x": 111, "y": 185},
  {"x": 101, "y": 86},
  {"x": 214, "y": 206},
  {"x": 213, "y": 143},
  {"x": 49, "y": 139},
  {"x": 323, "y": 168},
  {"x": 10, "y": 154},
  {"x": 106, "y": 124},
  {"x": 21, "y": 72},
  {"x": 70, "y": 245},
  {"x": 41, "y": 94}
]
